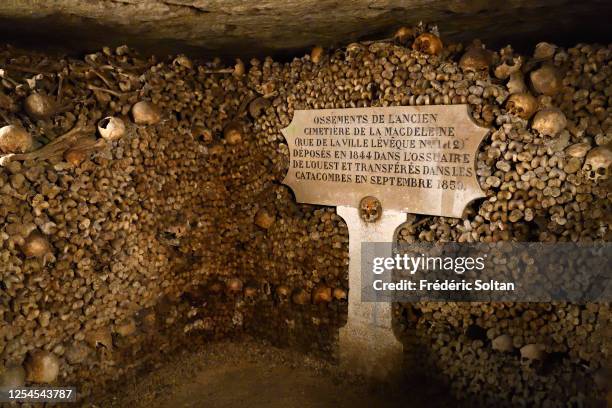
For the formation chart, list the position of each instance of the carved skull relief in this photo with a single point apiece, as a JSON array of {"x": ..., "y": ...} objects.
[{"x": 370, "y": 209}]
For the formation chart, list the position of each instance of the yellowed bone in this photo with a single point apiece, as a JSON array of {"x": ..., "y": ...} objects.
[{"x": 57, "y": 147}]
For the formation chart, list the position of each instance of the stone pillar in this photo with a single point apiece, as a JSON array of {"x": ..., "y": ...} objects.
[{"x": 367, "y": 343}]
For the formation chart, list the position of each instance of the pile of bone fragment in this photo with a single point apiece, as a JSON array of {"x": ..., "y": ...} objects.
[{"x": 141, "y": 203}]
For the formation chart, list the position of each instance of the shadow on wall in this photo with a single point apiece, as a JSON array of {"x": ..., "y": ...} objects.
[{"x": 61, "y": 34}]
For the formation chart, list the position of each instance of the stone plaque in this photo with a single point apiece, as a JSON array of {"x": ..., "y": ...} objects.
[{"x": 414, "y": 159}]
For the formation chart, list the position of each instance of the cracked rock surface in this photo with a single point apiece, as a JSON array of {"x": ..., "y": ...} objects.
[{"x": 244, "y": 28}]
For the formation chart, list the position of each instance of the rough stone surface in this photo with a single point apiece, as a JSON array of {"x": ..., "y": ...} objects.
[
  {"x": 367, "y": 343},
  {"x": 154, "y": 226},
  {"x": 237, "y": 27}
]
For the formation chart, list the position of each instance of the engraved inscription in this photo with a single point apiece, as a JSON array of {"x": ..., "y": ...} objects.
[{"x": 416, "y": 159}]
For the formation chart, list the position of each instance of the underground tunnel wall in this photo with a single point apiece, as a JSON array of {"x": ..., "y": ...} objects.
[
  {"x": 281, "y": 28},
  {"x": 116, "y": 246}
]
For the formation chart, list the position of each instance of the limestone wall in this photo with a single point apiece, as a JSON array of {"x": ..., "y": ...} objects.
[
  {"x": 239, "y": 28},
  {"x": 115, "y": 246}
]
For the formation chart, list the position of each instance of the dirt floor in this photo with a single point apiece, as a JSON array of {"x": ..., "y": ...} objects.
[{"x": 255, "y": 375}]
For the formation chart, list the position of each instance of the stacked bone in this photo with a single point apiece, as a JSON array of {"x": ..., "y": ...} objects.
[
  {"x": 127, "y": 186},
  {"x": 185, "y": 209},
  {"x": 545, "y": 170}
]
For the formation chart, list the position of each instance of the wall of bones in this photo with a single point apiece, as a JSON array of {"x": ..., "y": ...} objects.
[{"x": 141, "y": 208}]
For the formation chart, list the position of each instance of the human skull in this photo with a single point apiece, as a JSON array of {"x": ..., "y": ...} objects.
[
  {"x": 39, "y": 106},
  {"x": 178, "y": 228},
  {"x": 283, "y": 293},
  {"x": 234, "y": 286},
  {"x": 36, "y": 245},
  {"x": 547, "y": 80},
  {"x": 522, "y": 105},
  {"x": 233, "y": 133},
  {"x": 145, "y": 113},
  {"x": 475, "y": 59},
  {"x": 317, "y": 54},
  {"x": 340, "y": 294},
  {"x": 111, "y": 128},
  {"x": 428, "y": 43},
  {"x": 370, "y": 209},
  {"x": 101, "y": 336},
  {"x": 183, "y": 61},
  {"x": 300, "y": 297},
  {"x": 503, "y": 343},
  {"x": 544, "y": 51},
  {"x": 321, "y": 294},
  {"x": 353, "y": 49},
  {"x": 42, "y": 366},
  {"x": 250, "y": 294},
  {"x": 258, "y": 106},
  {"x": 264, "y": 219},
  {"x": 15, "y": 139},
  {"x": 533, "y": 352},
  {"x": 597, "y": 164},
  {"x": 549, "y": 122}
]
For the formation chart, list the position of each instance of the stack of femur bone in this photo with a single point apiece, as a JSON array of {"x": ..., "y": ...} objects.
[
  {"x": 191, "y": 203},
  {"x": 138, "y": 186}
]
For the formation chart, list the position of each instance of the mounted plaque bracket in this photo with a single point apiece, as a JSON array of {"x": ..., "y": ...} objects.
[{"x": 376, "y": 165}]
